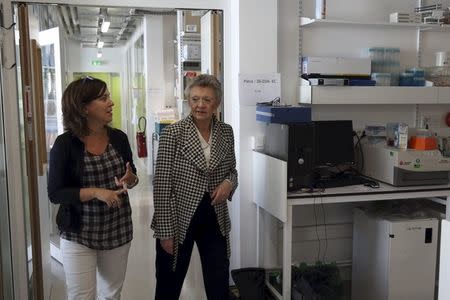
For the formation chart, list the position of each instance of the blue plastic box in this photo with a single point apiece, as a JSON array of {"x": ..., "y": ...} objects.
[
  {"x": 159, "y": 127},
  {"x": 283, "y": 114}
]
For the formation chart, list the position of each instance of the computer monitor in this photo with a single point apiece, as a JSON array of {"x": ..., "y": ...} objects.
[{"x": 333, "y": 143}]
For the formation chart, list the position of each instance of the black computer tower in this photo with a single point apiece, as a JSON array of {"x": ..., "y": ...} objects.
[{"x": 293, "y": 143}]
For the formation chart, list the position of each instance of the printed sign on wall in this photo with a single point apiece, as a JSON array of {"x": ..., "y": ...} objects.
[{"x": 255, "y": 88}]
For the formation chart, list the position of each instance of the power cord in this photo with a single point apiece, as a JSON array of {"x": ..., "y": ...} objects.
[
  {"x": 8, "y": 27},
  {"x": 317, "y": 228},
  {"x": 358, "y": 148},
  {"x": 324, "y": 257},
  {"x": 325, "y": 229},
  {"x": 274, "y": 102}
]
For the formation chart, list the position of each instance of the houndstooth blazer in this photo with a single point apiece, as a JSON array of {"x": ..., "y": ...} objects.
[{"x": 182, "y": 177}]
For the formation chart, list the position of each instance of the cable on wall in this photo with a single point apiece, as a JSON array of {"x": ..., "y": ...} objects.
[
  {"x": 300, "y": 38},
  {"x": 325, "y": 228},
  {"x": 317, "y": 229}
]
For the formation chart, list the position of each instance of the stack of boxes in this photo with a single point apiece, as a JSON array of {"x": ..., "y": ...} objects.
[
  {"x": 385, "y": 65},
  {"x": 412, "y": 77},
  {"x": 404, "y": 18}
]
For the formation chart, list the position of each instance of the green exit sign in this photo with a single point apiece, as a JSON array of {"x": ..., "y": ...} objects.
[{"x": 97, "y": 62}]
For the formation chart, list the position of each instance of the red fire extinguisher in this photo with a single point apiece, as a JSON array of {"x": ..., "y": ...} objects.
[{"x": 141, "y": 139}]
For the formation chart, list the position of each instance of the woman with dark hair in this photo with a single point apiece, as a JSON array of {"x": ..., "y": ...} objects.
[
  {"x": 91, "y": 168},
  {"x": 195, "y": 175}
]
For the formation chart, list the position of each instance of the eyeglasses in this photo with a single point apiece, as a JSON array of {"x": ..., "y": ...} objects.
[{"x": 87, "y": 77}]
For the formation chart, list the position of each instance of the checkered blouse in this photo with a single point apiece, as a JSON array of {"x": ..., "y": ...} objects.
[{"x": 103, "y": 227}]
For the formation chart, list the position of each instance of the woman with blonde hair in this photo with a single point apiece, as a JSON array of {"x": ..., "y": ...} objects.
[{"x": 195, "y": 176}]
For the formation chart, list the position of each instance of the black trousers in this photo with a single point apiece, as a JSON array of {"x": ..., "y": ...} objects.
[{"x": 212, "y": 246}]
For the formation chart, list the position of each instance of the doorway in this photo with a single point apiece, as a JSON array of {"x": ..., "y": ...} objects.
[
  {"x": 152, "y": 88},
  {"x": 113, "y": 81}
]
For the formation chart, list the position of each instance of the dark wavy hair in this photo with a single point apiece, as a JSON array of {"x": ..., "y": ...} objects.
[
  {"x": 76, "y": 96},
  {"x": 205, "y": 80}
]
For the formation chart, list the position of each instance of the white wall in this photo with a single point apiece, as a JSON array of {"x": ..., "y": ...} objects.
[
  {"x": 257, "y": 54},
  {"x": 231, "y": 113},
  {"x": 159, "y": 49},
  {"x": 168, "y": 37},
  {"x": 154, "y": 63}
]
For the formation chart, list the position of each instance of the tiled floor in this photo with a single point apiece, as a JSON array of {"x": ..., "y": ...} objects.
[{"x": 140, "y": 278}]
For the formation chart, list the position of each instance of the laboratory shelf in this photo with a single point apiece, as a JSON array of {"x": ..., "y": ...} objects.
[
  {"x": 443, "y": 94},
  {"x": 373, "y": 95},
  {"x": 307, "y": 22}
]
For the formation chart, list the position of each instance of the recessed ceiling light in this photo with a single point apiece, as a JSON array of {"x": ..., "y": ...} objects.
[
  {"x": 105, "y": 26},
  {"x": 100, "y": 44}
]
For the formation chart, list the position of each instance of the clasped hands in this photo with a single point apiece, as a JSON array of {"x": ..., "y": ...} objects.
[
  {"x": 112, "y": 197},
  {"x": 219, "y": 195},
  {"x": 221, "y": 192}
]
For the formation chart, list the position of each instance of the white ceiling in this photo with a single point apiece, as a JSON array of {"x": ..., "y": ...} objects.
[{"x": 83, "y": 23}]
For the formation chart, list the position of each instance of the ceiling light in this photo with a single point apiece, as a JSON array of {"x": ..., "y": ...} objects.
[
  {"x": 105, "y": 26},
  {"x": 100, "y": 44},
  {"x": 99, "y": 53}
]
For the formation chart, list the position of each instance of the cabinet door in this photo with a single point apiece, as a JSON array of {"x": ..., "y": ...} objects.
[
  {"x": 412, "y": 259},
  {"x": 444, "y": 261}
]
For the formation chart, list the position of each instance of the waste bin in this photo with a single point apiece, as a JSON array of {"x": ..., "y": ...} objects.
[{"x": 250, "y": 282}]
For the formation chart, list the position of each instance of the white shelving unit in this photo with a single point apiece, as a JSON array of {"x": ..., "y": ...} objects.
[
  {"x": 281, "y": 205},
  {"x": 184, "y": 65},
  {"x": 351, "y": 102},
  {"x": 373, "y": 95},
  {"x": 378, "y": 94},
  {"x": 308, "y": 22}
]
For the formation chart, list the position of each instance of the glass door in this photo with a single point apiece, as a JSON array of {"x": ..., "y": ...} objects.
[
  {"x": 50, "y": 44},
  {"x": 6, "y": 275}
]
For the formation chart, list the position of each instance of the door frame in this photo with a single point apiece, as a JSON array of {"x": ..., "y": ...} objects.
[{"x": 231, "y": 63}]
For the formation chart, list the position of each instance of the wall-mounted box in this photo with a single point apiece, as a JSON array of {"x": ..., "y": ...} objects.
[{"x": 192, "y": 51}]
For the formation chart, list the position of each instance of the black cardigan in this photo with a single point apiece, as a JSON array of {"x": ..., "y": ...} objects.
[{"x": 66, "y": 165}]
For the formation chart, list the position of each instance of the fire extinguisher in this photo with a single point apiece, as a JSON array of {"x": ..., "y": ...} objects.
[{"x": 141, "y": 139}]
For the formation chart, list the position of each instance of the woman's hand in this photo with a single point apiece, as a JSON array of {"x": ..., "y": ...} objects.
[
  {"x": 129, "y": 179},
  {"x": 110, "y": 197},
  {"x": 221, "y": 192},
  {"x": 167, "y": 245}
]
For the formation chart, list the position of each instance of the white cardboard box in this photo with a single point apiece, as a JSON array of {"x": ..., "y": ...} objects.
[{"x": 335, "y": 65}]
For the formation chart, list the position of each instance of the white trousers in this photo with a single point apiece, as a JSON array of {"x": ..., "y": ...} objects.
[{"x": 93, "y": 272}]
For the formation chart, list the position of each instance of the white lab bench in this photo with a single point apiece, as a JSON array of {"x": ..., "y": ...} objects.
[{"x": 270, "y": 194}]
